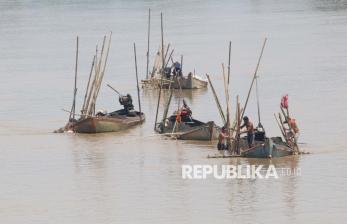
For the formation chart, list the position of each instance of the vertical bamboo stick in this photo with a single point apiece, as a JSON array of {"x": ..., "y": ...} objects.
[
  {"x": 92, "y": 87},
  {"x": 101, "y": 72},
  {"x": 87, "y": 89},
  {"x": 229, "y": 62},
  {"x": 148, "y": 36},
  {"x": 182, "y": 64},
  {"x": 73, "y": 109},
  {"x": 227, "y": 105},
  {"x": 238, "y": 124},
  {"x": 137, "y": 81},
  {"x": 161, "y": 80}
]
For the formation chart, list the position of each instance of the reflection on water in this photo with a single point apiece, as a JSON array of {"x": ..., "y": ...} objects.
[{"x": 135, "y": 176}]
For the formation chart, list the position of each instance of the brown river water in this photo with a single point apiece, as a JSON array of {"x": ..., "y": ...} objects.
[{"x": 135, "y": 176}]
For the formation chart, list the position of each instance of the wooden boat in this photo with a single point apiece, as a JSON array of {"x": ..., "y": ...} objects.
[
  {"x": 191, "y": 81},
  {"x": 265, "y": 147},
  {"x": 188, "y": 130},
  {"x": 91, "y": 122},
  {"x": 112, "y": 122}
]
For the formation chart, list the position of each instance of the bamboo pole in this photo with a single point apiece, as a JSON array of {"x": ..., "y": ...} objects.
[
  {"x": 87, "y": 89},
  {"x": 178, "y": 107},
  {"x": 167, "y": 106},
  {"x": 166, "y": 110},
  {"x": 238, "y": 124},
  {"x": 167, "y": 51},
  {"x": 93, "y": 92},
  {"x": 254, "y": 77},
  {"x": 101, "y": 72},
  {"x": 161, "y": 80},
  {"x": 114, "y": 90},
  {"x": 91, "y": 109},
  {"x": 281, "y": 128},
  {"x": 93, "y": 84},
  {"x": 229, "y": 62},
  {"x": 258, "y": 104},
  {"x": 162, "y": 41},
  {"x": 170, "y": 57},
  {"x": 137, "y": 81},
  {"x": 148, "y": 36},
  {"x": 226, "y": 84},
  {"x": 101, "y": 54},
  {"x": 182, "y": 64},
  {"x": 73, "y": 108},
  {"x": 75, "y": 113},
  {"x": 216, "y": 99}
]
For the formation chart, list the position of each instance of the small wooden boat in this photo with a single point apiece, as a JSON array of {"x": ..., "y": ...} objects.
[
  {"x": 265, "y": 147},
  {"x": 112, "y": 122},
  {"x": 188, "y": 130},
  {"x": 91, "y": 122},
  {"x": 191, "y": 81}
]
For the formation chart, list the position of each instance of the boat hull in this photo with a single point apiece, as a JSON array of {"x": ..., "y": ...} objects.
[
  {"x": 189, "y": 82},
  {"x": 183, "y": 131},
  {"x": 206, "y": 132},
  {"x": 270, "y": 148},
  {"x": 101, "y": 124}
]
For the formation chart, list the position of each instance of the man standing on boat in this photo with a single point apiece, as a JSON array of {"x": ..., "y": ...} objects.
[
  {"x": 249, "y": 130},
  {"x": 177, "y": 69},
  {"x": 223, "y": 135}
]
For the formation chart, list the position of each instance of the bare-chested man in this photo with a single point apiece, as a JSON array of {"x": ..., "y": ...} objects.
[{"x": 249, "y": 130}]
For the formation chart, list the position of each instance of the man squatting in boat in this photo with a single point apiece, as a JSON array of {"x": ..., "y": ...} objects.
[{"x": 184, "y": 114}]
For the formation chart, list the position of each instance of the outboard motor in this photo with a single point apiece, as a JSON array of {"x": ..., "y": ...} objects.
[
  {"x": 127, "y": 103},
  {"x": 259, "y": 134}
]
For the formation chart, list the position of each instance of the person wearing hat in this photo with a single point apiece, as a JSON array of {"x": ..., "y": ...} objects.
[{"x": 249, "y": 130}]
